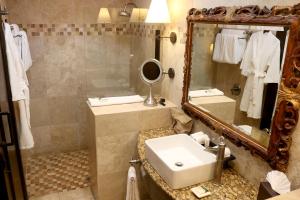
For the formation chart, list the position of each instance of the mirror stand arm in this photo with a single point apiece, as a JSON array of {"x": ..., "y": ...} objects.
[{"x": 171, "y": 73}]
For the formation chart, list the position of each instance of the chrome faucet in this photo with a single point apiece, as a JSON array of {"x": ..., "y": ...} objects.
[{"x": 219, "y": 151}]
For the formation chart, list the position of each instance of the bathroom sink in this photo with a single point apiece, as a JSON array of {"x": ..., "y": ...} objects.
[{"x": 180, "y": 160}]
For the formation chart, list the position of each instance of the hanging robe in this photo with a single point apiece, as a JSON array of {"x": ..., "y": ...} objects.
[
  {"x": 19, "y": 88},
  {"x": 23, "y": 46},
  {"x": 260, "y": 64}
]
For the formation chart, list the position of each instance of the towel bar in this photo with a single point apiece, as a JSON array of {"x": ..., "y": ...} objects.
[{"x": 132, "y": 162}]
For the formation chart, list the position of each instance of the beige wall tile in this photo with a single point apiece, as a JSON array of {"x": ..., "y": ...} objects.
[
  {"x": 116, "y": 139},
  {"x": 63, "y": 110},
  {"x": 116, "y": 151},
  {"x": 117, "y": 124},
  {"x": 58, "y": 11},
  {"x": 39, "y": 110},
  {"x": 78, "y": 194},
  {"x": 155, "y": 119},
  {"x": 42, "y": 140},
  {"x": 95, "y": 54},
  {"x": 47, "y": 197},
  {"x": 113, "y": 186},
  {"x": 65, "y": 137},
  {"x": 24, "y": 11}
]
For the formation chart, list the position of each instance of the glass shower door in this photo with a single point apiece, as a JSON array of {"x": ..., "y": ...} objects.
[{"x": 12, "y": 181}]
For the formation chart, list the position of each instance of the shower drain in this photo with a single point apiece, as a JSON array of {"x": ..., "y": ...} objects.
[{"x": 179, "y": 164}]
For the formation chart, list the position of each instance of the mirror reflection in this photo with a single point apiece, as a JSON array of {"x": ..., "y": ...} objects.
[{"x": 235, "y": 74}]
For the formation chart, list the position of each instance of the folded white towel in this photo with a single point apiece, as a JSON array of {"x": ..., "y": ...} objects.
[
  {"x": 132, "y": 185},
  {"x": 227, "y": 151},
  {"x": 203, "y": 138},
  {"x": 205, "y": 93},
  {"x": 230, "y": 46},
  {"x": 95, "y": 102},
  {"x": 246, "y": 129}
]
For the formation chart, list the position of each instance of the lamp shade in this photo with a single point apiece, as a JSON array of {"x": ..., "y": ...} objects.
[
  {"x": 138, "y": 15},
  {"x": 104, "y": 16},
  {"x": 158, "y": 12}
]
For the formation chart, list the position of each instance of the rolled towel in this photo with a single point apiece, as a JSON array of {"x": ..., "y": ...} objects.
[
  {"x": 227, "y": 151},
  {"x": 205, "y": 93},
  {"x": 201, "y": 138},
  {"x": 246, "y": 129},
  {"x": 107, "y": 101},
  {"x": 94, "y": 101},
  {"x": 132, "y": 186}
]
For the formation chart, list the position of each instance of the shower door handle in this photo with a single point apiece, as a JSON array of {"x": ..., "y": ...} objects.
[{"x": 3, "y": 142}]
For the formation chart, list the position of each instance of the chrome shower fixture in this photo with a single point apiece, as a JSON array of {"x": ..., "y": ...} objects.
[{"x": 124, "y": 12}]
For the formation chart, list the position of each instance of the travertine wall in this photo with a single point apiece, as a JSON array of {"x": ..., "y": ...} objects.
[
  {"x": 73, "y": 58},
  {"x": 113, "y": 138},
  {"x": 204, "y": 70}
]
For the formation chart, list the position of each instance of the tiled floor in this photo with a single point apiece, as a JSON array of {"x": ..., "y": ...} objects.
[
  {"x": 78, "y": 194},
  {"x": 55, "y": 173}
]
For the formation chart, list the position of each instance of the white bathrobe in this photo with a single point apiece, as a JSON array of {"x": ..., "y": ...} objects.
[
  {"x": 23, "y": 46},
  {"x": 19, "y": 88},
  {"x": 261, "y": 64}
]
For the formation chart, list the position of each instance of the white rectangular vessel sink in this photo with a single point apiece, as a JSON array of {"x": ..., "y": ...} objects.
[{"x": 180, "y": 160}]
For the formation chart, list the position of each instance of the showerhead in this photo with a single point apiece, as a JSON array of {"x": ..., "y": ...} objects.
[{"x": 123, "y": 12}]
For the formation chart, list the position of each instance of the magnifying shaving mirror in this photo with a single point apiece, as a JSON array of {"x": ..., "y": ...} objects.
[{"x": 151, "y": 72}]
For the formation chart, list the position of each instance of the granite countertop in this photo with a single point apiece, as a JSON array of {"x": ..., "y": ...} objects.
[{"x": 234, "y": 187}]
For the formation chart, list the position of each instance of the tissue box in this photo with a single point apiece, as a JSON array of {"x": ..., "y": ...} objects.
[{"x": 265, "y": 191}]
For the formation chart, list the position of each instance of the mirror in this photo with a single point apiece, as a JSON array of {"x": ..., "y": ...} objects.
[
  {"x": 224, "y": 77},
  {"x": 151, "y": 72},
  {"x": 241, "y": 76}
]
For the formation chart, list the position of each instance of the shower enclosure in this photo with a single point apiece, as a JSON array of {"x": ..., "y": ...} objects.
[
  {"x": 12, "y": 182},
  {"x": 72, "y": 61}
]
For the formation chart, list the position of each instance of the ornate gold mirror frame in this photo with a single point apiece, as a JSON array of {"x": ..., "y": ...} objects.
[{"x": 286, "y": 112}]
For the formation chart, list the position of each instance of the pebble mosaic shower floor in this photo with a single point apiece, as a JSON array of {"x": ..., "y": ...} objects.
[{"x": 58, "y": 172}]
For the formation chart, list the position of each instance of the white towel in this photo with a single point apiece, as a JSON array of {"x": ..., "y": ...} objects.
[
  {"x": 201, "y": 138},
  {"x": 23, "y": 46},
  {"x": 230, "y": 46},
  {"x": 132, "y": 185},
  {"x": 19, "y": 88},
  {"x": 26, "y": 139},
  {"x": 95, "y": 102},
  {"x": 227, "y": 152},
  {"x": 205, "y": 93},
  {"x": 246, "y": 129}
]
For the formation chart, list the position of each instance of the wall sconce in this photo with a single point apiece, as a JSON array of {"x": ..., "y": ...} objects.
[
  {"x": 138, "y": 15},
  {"x": 159, "y": 13},
  {"x": 104, "y": 16}
]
